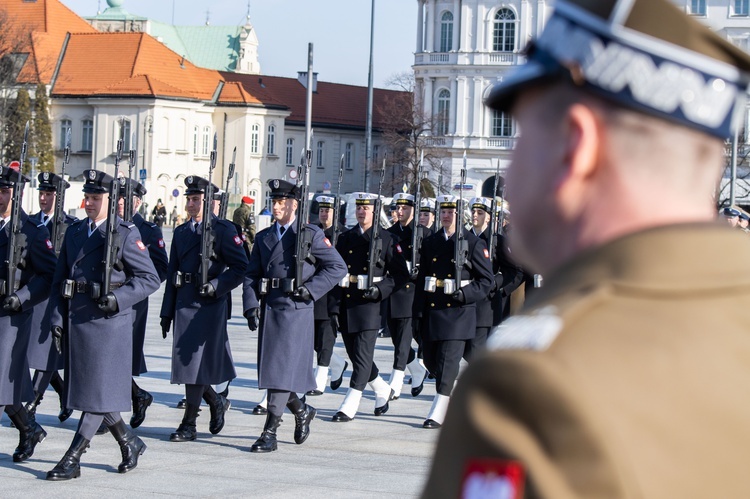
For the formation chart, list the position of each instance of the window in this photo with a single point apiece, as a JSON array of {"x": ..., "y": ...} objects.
[
  {"x": 443, "y": 114},
  {"x": 206, "y": 140},
  {"x": 290, "y": 152},
  {"x": 87, "y": 135},
  {"x": 349, "y": 156},
  {"x": 698, "y": 7},
  {"x": 504, "y": 32},
  {"x": 376, "y": 155},
  {"x": 502, "y": 125},
  {"x": 123, "y": 132},
  {"x": 195, "y": 140},
  {"x": 64, "y": 125},
  {"x": 271, "y": 140},
  {"x": 446, "y": 32},
  {"x": 319, "y": 154},
  {"x": 741, "y": 7},
  {"x": 254, "y": 135},
  {"x": 164, "y": 133}
]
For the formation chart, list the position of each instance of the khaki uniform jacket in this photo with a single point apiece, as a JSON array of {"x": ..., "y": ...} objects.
[{"x": 626, "y": 377}]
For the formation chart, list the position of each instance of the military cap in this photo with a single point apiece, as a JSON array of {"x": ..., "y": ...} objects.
[
  {"x": 645, "y": 55},
  {"x": 283, "y": 189},
  {"x": 744, "y": 216},
  {"x": 196, "y": 185},
  {"x": 138, "y": 189},
  {"x": 325, "y": 201},
  {"x": 447, "y": 201},
  {"x": 49, "y": 181},
  {"x": 96, "y": 182},
  {"x": 730, "y": 212},
  {"x": 10, "y": 176},
  {"x": 364, "y": 198},
  {"x": 403, "y": 199},
  {"x": 247, "y": 200},
  {"x": 481, "y": 203},
  {"x": 427, "y": 204}
]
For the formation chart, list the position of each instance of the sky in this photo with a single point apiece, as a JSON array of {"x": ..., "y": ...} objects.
[{"x": 338, "y": 29}]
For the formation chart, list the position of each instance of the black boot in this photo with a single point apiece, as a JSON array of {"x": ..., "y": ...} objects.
[
  {"x": 30, "y": 434},
  {"x": 218, "y": 405},
  {"x": 303, "y": 415},
  {"x": 31, "y": 406},
  {"x": 186, "y": 431},
  {"x": 57, "y": 384},
  {"x": 130, "y": 445},
  {"x": 141, "y": 400},
  {"x": 267, "y": 440},
  {"x": 69, "y": 466}
]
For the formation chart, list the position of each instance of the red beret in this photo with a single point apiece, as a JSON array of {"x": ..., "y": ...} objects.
[{"x": 247, "y": 200}]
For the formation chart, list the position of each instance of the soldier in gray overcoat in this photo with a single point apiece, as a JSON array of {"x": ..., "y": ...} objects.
[
  {"x": 282, "y": 305},
  {"x": 97, "y": 329},
  {"x": 201, "y": 355},
  {"x": 33, "y": 285}
]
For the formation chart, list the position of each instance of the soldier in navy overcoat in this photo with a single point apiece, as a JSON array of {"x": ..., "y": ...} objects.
[
  {"x": 33, "y": 281},
  {"x": 43, "y": 356},
  {"x": 96, "y": 323},
  {"x": 152, "y": 237},
  {"x": 448, "y": 305},
  {"x": 280, "y": 305},
  {"x": 201, "y": 355},
  {"x": 357, "y": 308}
]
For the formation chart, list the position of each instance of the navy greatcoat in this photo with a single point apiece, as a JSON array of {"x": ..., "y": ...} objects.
[
  {"x": 287, "y": 332},
  {"x": 42, "y": 354},
  {"x": 15, "y": 327},
  {"x": 98, "y": 356},
  {"x": 200, "y": 350},
  {"x": 402, "y": 299},
  {"x": 152, "y": 237}
]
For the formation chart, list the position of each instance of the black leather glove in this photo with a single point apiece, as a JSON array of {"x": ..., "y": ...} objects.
[
  {"x": 166, "y": 323},
  {"x": 12, "y": 303},
  {"x": 459, "y": 296},
  {"x": 207, "y": 290},
  {"x": 371, "y": 293},
  {"x": 108, "y": 304},
  {"x": 335, "y": 323},
  {"x": 57, "y": 333},
  {"x": 301, "y": 294},
  {"x": 253, "y": 319}
]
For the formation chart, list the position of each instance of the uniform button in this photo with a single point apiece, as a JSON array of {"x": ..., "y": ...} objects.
[
  {"x": 432, "y": 304},
  {"x": 348, "y": 266},
  {"x": 434, "y": 259},
  {"x": 350, "y": 252},
  {"x": 348, "y": 296},
  {"x": 449, "y": 304},
  {"x": 407, "y": 286},
  {"x": 434, "y": 275},
  {"x": 449, "y": 275},
  {"x": 364, "y": 268}
]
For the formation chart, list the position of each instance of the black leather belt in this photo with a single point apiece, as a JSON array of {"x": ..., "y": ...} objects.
[{"x": 85, "y": 287}]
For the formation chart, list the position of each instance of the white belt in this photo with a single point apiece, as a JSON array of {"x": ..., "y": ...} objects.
[{"x": 361, "y": 281}]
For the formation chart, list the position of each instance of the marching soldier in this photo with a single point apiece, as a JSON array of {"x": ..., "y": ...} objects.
[
  {"x": 325, "y": 335},
  {"x": 427, "y": 213},
  {"x": 201, "y": 355},
  {"x": 244, "y": 218},
  {"x": 280, "y": 304},
  {"x": 151, "y": 236},
  {"x": 401, "y": 302},
  {"x": 43, "y": 356},
  {"x": 357, "y": 308},
  {"x": 447, "y": 302},
  {"x": 97, "y": 323},
  {"x": 33, "y": 281}
]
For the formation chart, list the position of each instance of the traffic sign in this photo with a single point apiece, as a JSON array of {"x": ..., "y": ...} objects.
[
  {"x": 175, "y": 193},
  {"x": 326, "y": 186},
  {"x": 142, "y": 174}
]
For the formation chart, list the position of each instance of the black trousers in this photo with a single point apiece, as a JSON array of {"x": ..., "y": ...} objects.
[
  {"x": 476, "y": 344},
  {"x": 91, "y": 421},
  {"x": 401, "y": 335},
  {"x": 360, "y": 347},
  {"x": 442, "y": 358},
  {"x": 278, "y": 399},
  {"x": 325, "y": 339}
]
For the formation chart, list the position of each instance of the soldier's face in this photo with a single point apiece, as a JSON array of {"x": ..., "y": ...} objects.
[
  {"x": 324, "y": 215},
  {"x": 46, "y": 201},
  {"x": 426, "y": 218},
  {"x": 194, "y": 205},
  {"x": 404, "y": 214},
  {"x": 364, "y": 215},
  {"x": 6, "y": 195},
  {"x": 283, "y": 209},
  {"x": 743, "y": 223},
  {"x": 121, "y": 205},
  {"x": 732, "y": 221},
  {"x": 95, "y": 205},
  {"x": 479, "y": 218},
  {"x": 447, "y": 218}
]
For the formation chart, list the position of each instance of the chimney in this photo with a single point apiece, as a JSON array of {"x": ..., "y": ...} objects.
[{"x": 302, "y": 77}]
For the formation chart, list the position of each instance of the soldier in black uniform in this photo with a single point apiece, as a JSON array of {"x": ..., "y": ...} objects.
[
  {"x": 43, "y": 356},
  {"x": 427, "y": 213},
  {"x": 152, "y": 237},
  {"x": 400, "y": 304},
  {"x": 325, "y": 336},
  {"x": 33, "y": 283},
  {"x": 357, "y": 308},
  {"x": 447, "y": 303},
  {"x": 97, "y": 324},
  {"x": 201, "y": 355}
]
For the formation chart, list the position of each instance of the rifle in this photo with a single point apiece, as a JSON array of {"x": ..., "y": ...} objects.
[
  {"x": 460, "y": 250},
  {"x": 416, "y": 236},
  {"x": 17, "y": 240},
  {"x": 376, "y": 245},
  {"x": 57, "y": 232},
  {"x": 224, "y": 203},
  {"x": 493, "y": 216},
  {"x": 127, "y": 211},
  {"x": 207, "y": 236},
  {"x": 337, "y": 204},
  {"x": 112, "y": 243},
  {"x": 303, "y": 246}
]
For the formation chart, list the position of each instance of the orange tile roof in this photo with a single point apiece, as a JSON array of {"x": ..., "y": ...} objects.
[{"x": 234, "y": 93}]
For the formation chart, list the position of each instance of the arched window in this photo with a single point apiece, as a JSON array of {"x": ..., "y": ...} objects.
[
  {"x": 504, "y": 32},
  {"x": 87, "y": 137},
  {"x": 443, "y": 112},
  {"x": 254, "y": 136},
  {"x": 271, "y": 139},
  {"x": 502, "y": 125},
  {"x": 64, "y": 126},
  {"x": 349, "y": 156},
  {"x": 319, "y": 154},
  {"x": 290, "y": 151},
  {"x": 446, "y": 32},
  {"x": 124, "y": 133}
]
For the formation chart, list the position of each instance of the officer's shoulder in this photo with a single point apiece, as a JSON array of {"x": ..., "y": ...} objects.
[
  {"x": 130, "y": 226},
  {"x": 263, "y": 233},
  {"x": 313, "y": 228},
  {"x": 77, "y": 222}
]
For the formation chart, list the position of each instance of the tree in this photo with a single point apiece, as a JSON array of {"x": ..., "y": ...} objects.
[
  {"x": 19, "y": 113},
  {"x": 43, "y": 131}
]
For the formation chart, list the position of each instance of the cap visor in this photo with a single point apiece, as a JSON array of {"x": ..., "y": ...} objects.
[{"x": 504, "y": 93}]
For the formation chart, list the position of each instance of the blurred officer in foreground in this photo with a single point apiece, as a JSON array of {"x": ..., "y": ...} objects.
[
  {"x": 43, "y": 356},
  {"x": 152, "y": 237},
  {"x": 280, "y": 305},
  {"x": 618, "y": 381},
  {"x": 731, "y": 215},
  {"x": 33, "y": 282},
  {"x": 96, "y": 324}
]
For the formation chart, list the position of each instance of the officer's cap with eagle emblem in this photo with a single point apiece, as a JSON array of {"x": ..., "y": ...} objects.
[
  {"x": 427, "y": 204},
  {"x": 447, "y": 201},
  {"x": 96, "y": 182},
  {"x": 49, "y": 181},
  {"x": 481, "y": 204},
  {"x": 283, "y": 189},
  {"x": 138, "y": 189},
  {"x": 364, "y": 198},
  {"x": 644, "y": 55},
  {"x": 196, "y": 185},
  {"x": 403, "y": 199},
  {"x": 325, "y": 201}
]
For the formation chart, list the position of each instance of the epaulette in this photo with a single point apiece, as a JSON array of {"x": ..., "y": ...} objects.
[
  {"x": 129, "y": 225},
  {"x": 536, "y": 331}
]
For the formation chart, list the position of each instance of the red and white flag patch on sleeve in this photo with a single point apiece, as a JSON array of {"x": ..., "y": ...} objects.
[
  {"x": 161, "y": 243},
  {"x": 398, "y": 248},
  {"x": 486, "y": 253},
  {"x": 328, "y": 243},
  {"x": 140, "y": 245},
  {"x": 237, "y": 240},
  {"x": 49, "y": 244},
  {"x": 495, "y": 478}
]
